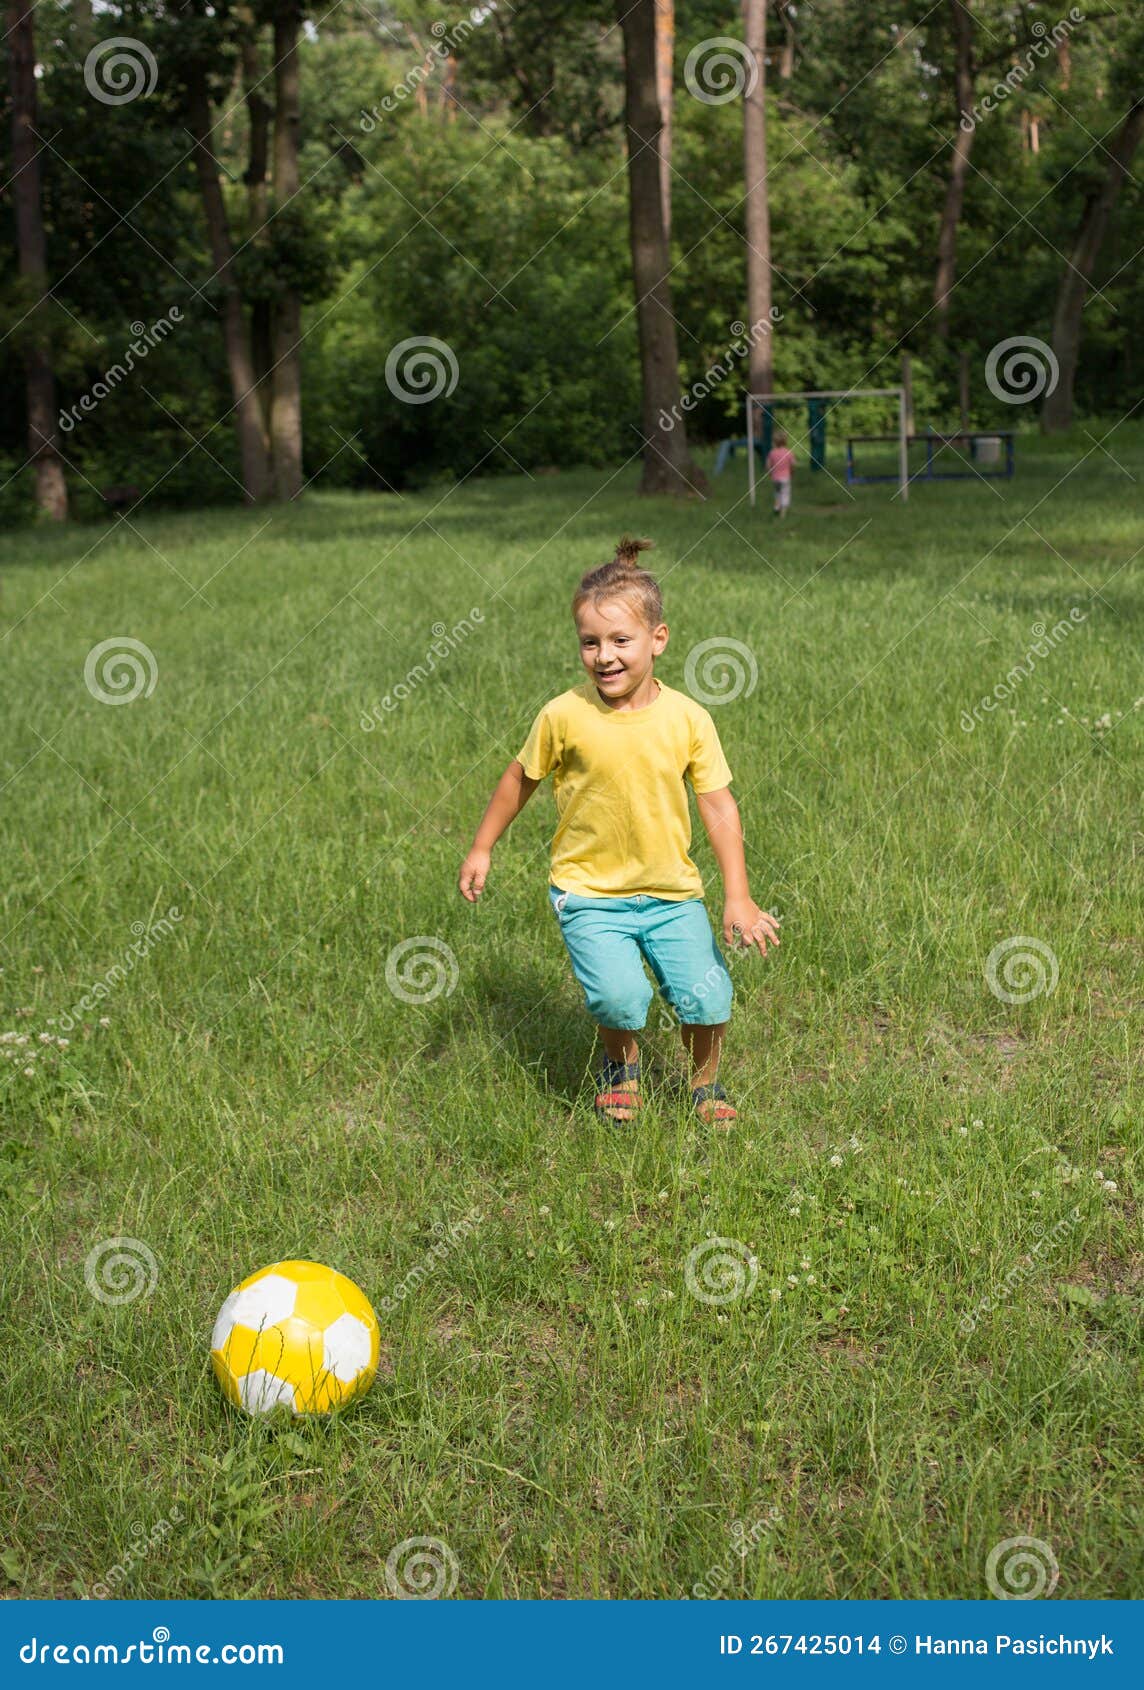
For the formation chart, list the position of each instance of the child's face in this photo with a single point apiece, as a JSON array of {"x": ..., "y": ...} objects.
[{"x": 617, "y": 647}]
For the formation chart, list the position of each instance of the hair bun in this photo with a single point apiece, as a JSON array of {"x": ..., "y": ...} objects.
[{"x": 629, "y": 549}]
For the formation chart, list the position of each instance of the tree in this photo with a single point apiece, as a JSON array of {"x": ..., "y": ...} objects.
[
  {"x": 757, "y": 200},
  {"x": 286, "y": 379},
  {"x": 667, "y": 463},
  {"x": 963, "y": 81},
  {"x": 200, "y": 51},
  {"x": 1057, "y": 407},
  {"x": 40, "y": 381},
  {"x": 665, "y": 91}
]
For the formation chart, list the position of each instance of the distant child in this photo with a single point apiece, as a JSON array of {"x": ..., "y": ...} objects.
[
  {"x": 619, "y": 747},
  {"x": 780, "y": 464}
]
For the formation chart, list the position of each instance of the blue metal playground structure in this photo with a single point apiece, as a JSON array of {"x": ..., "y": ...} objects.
[
  {"x": 983, "y": 447},
  {"x": 974, "y": 441}
]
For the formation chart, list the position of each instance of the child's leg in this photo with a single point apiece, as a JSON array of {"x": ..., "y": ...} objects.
[
  {"x": 680, "y": 946},
  {"x": 605, "y": 955},
  {"x": 704, "y": 1046},
  {"x": 621, "y": 1046}
]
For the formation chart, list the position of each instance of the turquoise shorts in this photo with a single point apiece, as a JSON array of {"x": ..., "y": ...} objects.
[{"x": 610, "y": 939}]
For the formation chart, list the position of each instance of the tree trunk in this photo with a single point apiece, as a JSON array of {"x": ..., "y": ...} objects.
[
  {"x": 1057, "y": 409},
  {"x": 665, "y": 92},
  {"x": 255, "y": 178},
  {"x": 39, "y": 376},
  {"x": 286, "y": 391},
  {"x": 667, "y": 465},
  {"x": 959, "y": 166},
  {"x": 253, "y": 449},
  {"x": 84, "y": 25},
  {"x": 757, "y": 202}
]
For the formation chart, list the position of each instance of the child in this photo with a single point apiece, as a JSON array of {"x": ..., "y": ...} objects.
[
  {"x": 619, "y": 747},
  {"x": 780, "y": 463}
]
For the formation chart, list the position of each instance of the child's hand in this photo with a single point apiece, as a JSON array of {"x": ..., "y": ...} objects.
[
  {"x": 474, "y": 872},
  {"x": 745, "y": 924}
]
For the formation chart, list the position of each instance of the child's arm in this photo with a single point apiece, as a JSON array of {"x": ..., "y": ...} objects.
[
  {"x": 513, "y": 791},
  {"x": 743, "y": 921}
]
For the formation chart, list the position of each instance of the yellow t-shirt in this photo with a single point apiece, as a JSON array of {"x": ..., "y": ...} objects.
[{"x": 618, "y": 780}]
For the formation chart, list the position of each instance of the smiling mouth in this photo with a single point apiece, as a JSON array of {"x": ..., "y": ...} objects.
[{"x": 608, "y": 674}]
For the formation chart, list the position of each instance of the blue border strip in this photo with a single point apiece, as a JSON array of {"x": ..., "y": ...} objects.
[{"x": 557, "y": 1644}]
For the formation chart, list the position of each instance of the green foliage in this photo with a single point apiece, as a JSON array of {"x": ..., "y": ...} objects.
[{"x": 487, "y": 208}]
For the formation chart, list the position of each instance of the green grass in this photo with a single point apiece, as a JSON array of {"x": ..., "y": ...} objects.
[{"x": 553, "y": 1402}]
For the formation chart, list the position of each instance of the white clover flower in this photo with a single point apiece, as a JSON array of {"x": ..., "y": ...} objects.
[
  {"x": 977, "y": 1121},
  {"x": 794, "y": 1209},
  {"x": 641, "y": 1302},
  {"x": 774, "y": 1293},
  {"x": 610, "y": 1226},
  {"x": 811, "y": 1279},
  {"x": 1111, "y": 1185},
  {"x": 30, "y": 1072},
  {"x": 544, "y": 1209},
  {"x": 853, "y": 1143},
  {"x": 792, "y": 1279},
  {"x": 963, "y": 1132},
  {"x": 45, "y": 1038},
  {"x": 22, "y": 1039},
  {"x": 62, "y": 1044},
  {"x": 663, "y": 1194},
  {"x": 804, "y": 1263},
  {"x": 1036, "y": 1196},
  {"x": 105, "y": 1021},
  {"x": 667, "y": 1296},
  {"x": 836, "y": 1161}
]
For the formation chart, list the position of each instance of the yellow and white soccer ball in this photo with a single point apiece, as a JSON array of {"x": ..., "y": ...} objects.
[{"x": 295, "y": 1335}]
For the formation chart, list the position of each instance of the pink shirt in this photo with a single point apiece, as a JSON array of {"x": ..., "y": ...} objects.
[{"x": 780, "y": 462}]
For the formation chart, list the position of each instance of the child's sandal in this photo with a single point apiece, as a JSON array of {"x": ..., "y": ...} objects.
[
  {"x": 615, "y": 1094},
  {"x": 716, "y": 1096}
]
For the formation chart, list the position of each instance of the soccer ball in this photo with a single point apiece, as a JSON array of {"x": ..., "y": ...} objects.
[{"x": 295, "y": 1335}]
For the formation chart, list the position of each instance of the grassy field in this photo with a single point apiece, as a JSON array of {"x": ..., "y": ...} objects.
[{"x": 924, "y": 1335}]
